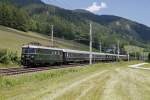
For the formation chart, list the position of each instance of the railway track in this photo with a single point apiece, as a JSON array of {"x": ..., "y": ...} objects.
[{"x": 17, "y": 71}]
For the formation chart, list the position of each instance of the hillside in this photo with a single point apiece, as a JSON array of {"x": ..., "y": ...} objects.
[
  {"x": 13, "y": 40},
  {"x": 74, "y": 24}
]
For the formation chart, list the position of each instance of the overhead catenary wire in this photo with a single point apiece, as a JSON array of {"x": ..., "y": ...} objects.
[{"x": 65, "y": 3}]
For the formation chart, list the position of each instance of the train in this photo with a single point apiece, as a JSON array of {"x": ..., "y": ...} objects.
[{"x": 34, "y": 56}]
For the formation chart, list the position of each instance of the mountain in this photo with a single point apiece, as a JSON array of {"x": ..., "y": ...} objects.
[{"x": 74, "y": 24}]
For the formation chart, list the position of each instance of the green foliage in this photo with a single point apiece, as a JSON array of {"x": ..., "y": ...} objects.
[
  {"x": 53, "y": 75},
  {"x": 74, "y": 24},
  {"x": 4, "y": 57},
  {"x": 7, "y": 57},
  {"x": 133, "y": 49},
  {"x": 13, "y": 17}
]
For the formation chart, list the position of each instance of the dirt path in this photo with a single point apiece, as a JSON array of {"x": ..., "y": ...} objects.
[
  {"x": 138, "y": 66},
  {"x": 60, "y": 92}
]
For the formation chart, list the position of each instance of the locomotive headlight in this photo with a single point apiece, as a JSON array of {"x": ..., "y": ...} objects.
[
  {"x": 32, "y": 56},
  {"x": 22, "y": 56}
]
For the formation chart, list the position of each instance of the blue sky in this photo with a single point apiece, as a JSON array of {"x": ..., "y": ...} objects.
[{"x": 137, "y": 10}]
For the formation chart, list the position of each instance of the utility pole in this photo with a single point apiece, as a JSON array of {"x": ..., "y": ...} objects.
[
  {"x": 128, "y": 56},
  {"x": 52, "y": 35},
  {"x": 118, "y": 49},
  {"x": 128, "y": 51},
  {"x": 100, "y": 47},
  {"x": 135, "y": 55},
  {"x": 114, "y": 49},
  {"x": 90, "y": 62},
  {"x": 52, "y": 31}
]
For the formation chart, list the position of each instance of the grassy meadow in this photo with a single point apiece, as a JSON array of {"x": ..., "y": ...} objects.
[
  {"x": 104, "y": 81},
  {"x": 13, "y": 40}
]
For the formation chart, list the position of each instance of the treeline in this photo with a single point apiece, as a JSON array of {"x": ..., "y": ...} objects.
[{"x": 13, "y": 17}]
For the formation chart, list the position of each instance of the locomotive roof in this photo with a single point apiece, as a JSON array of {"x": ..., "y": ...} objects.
[{"x": 41, "y": 47}]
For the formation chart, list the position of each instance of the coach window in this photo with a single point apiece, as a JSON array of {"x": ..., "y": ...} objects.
[
  {"x": 52, "y": 52},
  {"x": 46, "y": 51},
  {"x": 67, "y": 55},
  {"x": 57, "y": 52}
]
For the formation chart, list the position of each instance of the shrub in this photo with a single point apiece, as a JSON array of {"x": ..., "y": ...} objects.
[{"x": 7, "y": 57}]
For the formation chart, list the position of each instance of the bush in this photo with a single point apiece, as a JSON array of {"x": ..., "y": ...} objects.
[{"x": 7, "y": 57}]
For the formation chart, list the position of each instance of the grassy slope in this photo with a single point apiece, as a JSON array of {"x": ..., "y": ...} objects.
[
  {"x": 115, "y": 82},
  {"x": 13, "y": 39}
]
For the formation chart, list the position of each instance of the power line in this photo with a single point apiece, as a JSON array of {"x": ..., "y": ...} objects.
[
  {"x": 57, "y": 2},
  {"x": 65, "y": 3}
]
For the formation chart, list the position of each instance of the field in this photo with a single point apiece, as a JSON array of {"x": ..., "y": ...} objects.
[
  {"x": 13, "y": 40},
  {"x": 104, "y": 81}
]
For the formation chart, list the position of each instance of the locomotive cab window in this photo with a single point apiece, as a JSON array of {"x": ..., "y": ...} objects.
[{"x": 28, "y": 50}]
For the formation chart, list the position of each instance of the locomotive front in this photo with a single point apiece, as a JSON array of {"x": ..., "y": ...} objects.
[{"x": 27, "y": 56}]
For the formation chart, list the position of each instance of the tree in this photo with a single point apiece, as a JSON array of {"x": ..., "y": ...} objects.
[{"x": 12, "y": 17}]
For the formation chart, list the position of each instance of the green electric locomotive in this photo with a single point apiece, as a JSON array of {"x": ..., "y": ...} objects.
[{"x": 39, "y": 55}]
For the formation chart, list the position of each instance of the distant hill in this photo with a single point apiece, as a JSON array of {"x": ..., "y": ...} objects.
[
  {"x": 82, "y": 11},
  {"x": 74, "y": 24}
]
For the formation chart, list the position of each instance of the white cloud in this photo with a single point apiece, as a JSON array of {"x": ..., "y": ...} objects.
[{"x": 95, "y": 7}]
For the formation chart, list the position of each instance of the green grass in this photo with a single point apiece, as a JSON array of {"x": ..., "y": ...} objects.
[
  {"x": 13, "y": 40},
  {"x": 9, "y": 66},
  {"x": 42, "y": 84}
]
